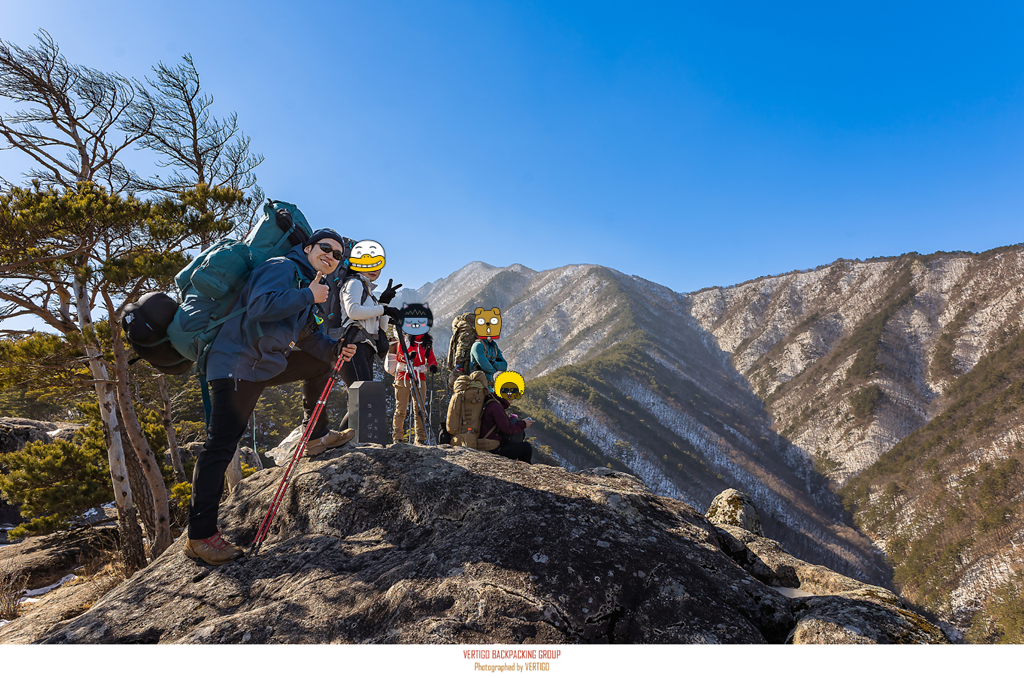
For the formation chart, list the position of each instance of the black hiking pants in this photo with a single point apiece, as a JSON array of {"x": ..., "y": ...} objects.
[
  {"x": 360, "y": 368},
  {"x": 517, "y": 451},
  {"x": 232, "y": 403}
]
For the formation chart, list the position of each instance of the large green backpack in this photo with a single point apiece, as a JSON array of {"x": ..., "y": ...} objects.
[{"x": 209, "y": 287}]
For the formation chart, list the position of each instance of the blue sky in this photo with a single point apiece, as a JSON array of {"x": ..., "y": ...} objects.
[{"x": 693, "y": 144}]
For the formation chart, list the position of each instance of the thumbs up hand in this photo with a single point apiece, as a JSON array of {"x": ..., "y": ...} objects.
[{"x": 318, "y": 289}]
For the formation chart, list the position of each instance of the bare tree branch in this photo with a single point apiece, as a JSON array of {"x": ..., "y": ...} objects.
[
  {"x": 194, "y": 144},
  {"x": 80, "y": 105}
]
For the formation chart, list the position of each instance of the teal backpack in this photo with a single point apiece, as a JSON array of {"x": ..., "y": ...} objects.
[{"x": 209, "y": 287}]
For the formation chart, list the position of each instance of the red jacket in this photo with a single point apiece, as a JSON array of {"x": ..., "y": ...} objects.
[{"x": 419, "y": 356}]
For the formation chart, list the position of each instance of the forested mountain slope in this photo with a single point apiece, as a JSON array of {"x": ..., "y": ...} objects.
[{"x": 853, "y": 361}]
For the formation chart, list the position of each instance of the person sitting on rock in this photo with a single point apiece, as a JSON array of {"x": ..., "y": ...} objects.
[
  {"x": 508, "y": 431},
  {"x": 253, "y": 350}
]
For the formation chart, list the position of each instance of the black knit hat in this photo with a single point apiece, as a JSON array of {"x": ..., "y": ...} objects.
[{"x": 324, "y": 234}]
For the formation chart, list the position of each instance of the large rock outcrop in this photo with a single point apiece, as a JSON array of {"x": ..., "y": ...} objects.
[
  {"x": 48, "y": 558},
  {"x": 447, "y": 545},
  {"x": 56, "y": 608},
  {"x": 15, "y": 433},
  {"x": 828, "y": 608}
]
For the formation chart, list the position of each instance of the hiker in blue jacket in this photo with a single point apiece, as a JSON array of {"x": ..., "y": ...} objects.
[
  {"x": 485, "y": 354},
  {"x": 277, "y": 340},
  {"x": 486, "y": 357}
]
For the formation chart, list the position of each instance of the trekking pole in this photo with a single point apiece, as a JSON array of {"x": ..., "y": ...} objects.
[
  {"x": 413, "y": 379},
  {"x": 430, "y": 407},
  {"x": 282, "y": 487}
]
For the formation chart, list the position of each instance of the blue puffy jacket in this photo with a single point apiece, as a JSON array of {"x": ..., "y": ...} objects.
[{"x": 254, "y": 345}]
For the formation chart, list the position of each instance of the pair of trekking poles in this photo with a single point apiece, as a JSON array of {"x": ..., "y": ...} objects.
[{"x": 282, "y": 487}]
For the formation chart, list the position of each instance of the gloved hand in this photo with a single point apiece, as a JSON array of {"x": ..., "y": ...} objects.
[
  {"x": 388, "y": 295},
  {"x": 392, "y": 313},
  {"x": 433, "y": 369}
]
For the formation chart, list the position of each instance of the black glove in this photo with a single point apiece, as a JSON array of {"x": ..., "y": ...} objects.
[
  {"x": 427, "y": 341},
  {"x": 433, "y": 369},
  {"x": 388, "y": 295},
  {"x": 392, "y": 313}
]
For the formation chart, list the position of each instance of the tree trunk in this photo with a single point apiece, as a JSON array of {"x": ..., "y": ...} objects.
[
  {"x": 140, "y": 488},
  {"x": 132, "y": 550},
  {"x": 161, "y": 510},
  {"x": 233, "y": 476},
  {"x": 172, "y": 438},
  {"x": 131, "y": 536}
]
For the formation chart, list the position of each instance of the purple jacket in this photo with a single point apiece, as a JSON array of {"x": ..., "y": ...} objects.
[{"x": 494, "y": 415}]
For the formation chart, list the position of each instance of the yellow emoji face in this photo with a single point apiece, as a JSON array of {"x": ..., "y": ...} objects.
[
  {"x": 510, "y": 385},
  {"x": 367, "y": 255},
  {"x": 488, "y": 323}
]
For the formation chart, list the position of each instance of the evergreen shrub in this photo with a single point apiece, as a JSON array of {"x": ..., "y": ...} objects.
[{"x": 54, "y": 482}]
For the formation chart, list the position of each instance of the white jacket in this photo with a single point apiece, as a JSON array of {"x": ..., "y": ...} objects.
[{"x": 368, "y": 313}]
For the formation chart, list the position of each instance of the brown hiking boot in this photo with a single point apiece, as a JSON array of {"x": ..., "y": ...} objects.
[
  {"x": 213, "y": 550},
  {"x": 331, "y": 440}
]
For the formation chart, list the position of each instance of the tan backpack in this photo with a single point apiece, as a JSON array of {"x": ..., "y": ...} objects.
[
  {"x": 466, "y": 410},
  {"x": 463, "y": 336}
]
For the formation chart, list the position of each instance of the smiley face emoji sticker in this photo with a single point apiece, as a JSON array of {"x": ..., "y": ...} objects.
[{"x": 367, "y": 255}]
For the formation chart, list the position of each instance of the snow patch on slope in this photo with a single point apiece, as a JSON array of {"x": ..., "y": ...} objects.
[{"x": 615, "y": 445}]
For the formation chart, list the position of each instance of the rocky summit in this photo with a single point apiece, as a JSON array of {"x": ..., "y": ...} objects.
[{"x": 403, "y": 544}]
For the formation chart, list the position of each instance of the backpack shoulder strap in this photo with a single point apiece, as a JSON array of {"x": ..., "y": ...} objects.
[
  {"x": 366, "y": 287},
  {"x": 488, "y": 399}
]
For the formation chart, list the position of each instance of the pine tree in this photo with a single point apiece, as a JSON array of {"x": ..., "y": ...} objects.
[
  {"x": 42, "y": 377},
  {"x": 198, "y": 147},
  {"x": 53, "y": 483},
  {"x": 70, "y": 249}
]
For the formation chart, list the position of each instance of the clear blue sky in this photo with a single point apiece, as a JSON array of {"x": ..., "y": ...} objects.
[{"x": 693, "y": 144}]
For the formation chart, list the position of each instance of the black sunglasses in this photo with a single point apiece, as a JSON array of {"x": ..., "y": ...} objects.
[{"x": 338, "y": 254}]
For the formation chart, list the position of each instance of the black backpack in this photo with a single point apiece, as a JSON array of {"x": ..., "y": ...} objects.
[{"x": 145, "y": 323}]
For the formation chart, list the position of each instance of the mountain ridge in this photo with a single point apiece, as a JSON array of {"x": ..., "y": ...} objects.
[
  {"x": 563, "y": 320},
  {"x": 822, "y": 370},
  {"x": 852, "y": 360}
]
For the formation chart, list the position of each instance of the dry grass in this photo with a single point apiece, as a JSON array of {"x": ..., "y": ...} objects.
[
  {"x": 12, "y": 583},
  {"x": 108, "y": 563}
]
